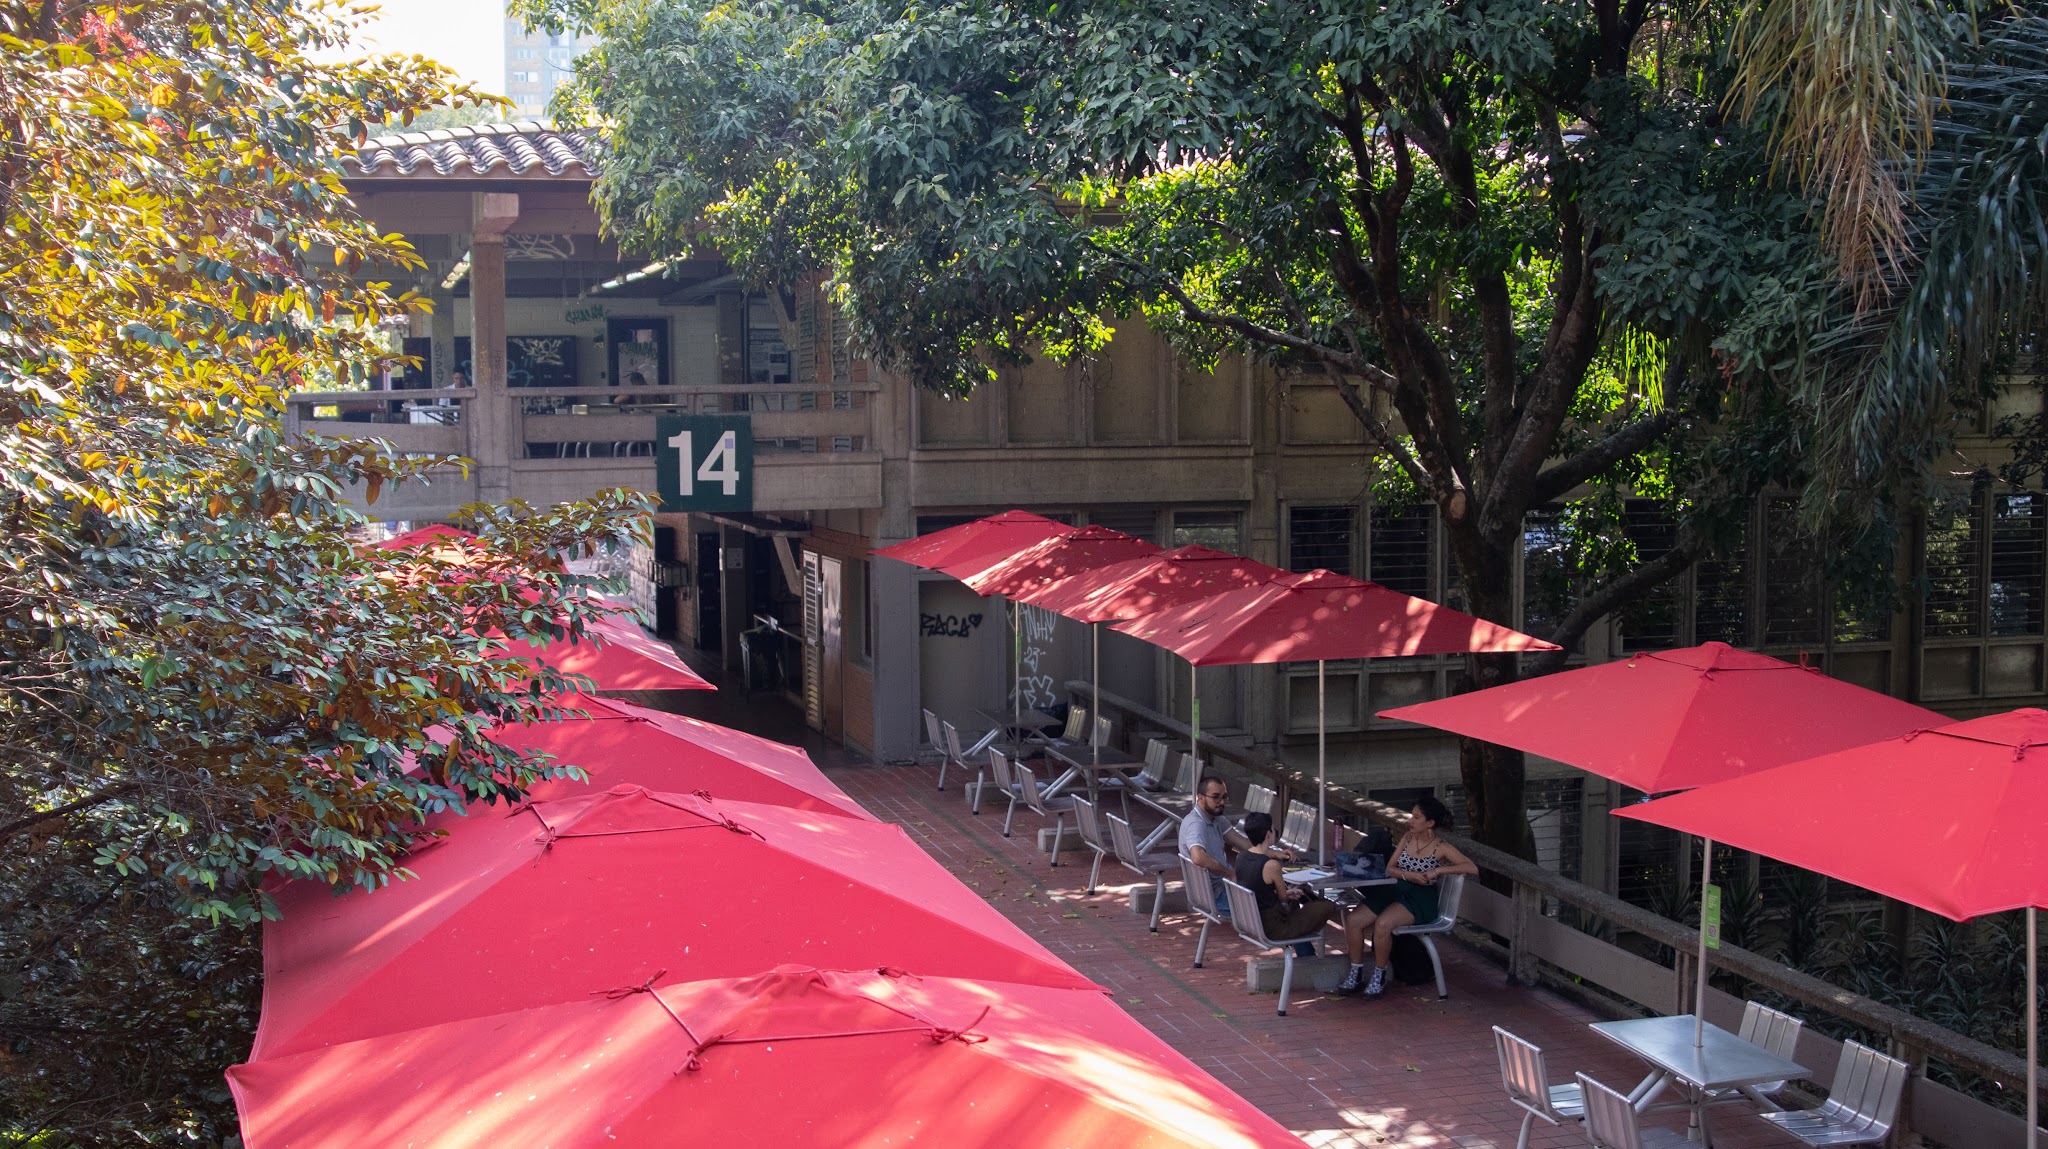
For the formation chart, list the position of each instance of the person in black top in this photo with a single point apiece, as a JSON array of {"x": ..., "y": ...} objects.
[{"x": 1286, "y": 911}]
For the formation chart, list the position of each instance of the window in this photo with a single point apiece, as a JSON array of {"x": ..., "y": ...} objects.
[
  {"x": 1954, "y": 571},
  {"x": 1320, "y": 537},
  {"x": 1546, "y": 570},
  {"x": 1217, "y": 530},
  {"x": 1651, "y": 620},
  {"x": 1138, "y": 522},
  {"x": 2017, "y": 536},
  {"x": 1400, "y": 550},
  {"x": 1792, "y": 589},
  {"x": 524, "y": 53},
  {"x": 1720, "y": 610}
]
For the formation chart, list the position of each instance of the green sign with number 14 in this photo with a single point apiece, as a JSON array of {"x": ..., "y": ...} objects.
[{"x": 705, "y": 462}]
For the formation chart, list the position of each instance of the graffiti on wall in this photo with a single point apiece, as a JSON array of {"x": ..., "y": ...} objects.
[
  {"x": 947, "y": 625},
  {"x": 1034, "y": 639}
]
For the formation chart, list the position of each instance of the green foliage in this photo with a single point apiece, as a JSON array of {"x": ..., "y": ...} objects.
[{"x": 210, "y": 685}]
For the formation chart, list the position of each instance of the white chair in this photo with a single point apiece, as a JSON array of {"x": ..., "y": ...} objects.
[
  {"x": 1861, "y": 1106},
  {"x": 1153, "y": 776},
  {"x": 1770, "y": 1030},
  {"x": 1005, "y": 779},
  {"x": 1032, "y": 791},
  {"x": 1104, "y": 727},
  {"x": 1201, "y": 887},
  {"x": 1244, "y": 917},
  {"x": 1297, "y": 831},
  {"x": 1611, "y": 1122},
  {"x": 933, "y": 735},
  {"x": 1259, "y": 799},
  {"x": 1155, "y": 866},
  {"x": 1089, "y": 823},
  {"x": 1527, "y": 1080},
  {"x": 959, "y": 758},
  {"x": 1449, "y": 890},
  {"x": 1072, "y": 733}
]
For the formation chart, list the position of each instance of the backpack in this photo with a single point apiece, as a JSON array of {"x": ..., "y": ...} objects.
[{"x": 1411, "y": 961}]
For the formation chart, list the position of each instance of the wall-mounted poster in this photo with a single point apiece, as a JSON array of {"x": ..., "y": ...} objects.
[
  {"x": 540, "y": 361},
  {"x": 639, "y": 350}
]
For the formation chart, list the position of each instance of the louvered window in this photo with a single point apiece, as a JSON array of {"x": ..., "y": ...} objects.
[
  {"x": 1138, "y": 522},
  {"x": 1546, "y": 570},
  {"x": 2016, "y": 563},
  {"x": 1320, "y": 537},
  {"x": 1651, "y": 620},
  {"x": 1792, "y": 615},
  {"x": 1720, "y": 610},
  {"x": 1400, "y": 550},
  {"x": 1954, "y": 573}
]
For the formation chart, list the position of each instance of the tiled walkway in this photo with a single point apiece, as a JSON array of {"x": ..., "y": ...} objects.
[{"x": 1407, "y": 1070}]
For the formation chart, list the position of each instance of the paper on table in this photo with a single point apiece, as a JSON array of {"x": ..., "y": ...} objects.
[{"x": 1308, "y": 874}]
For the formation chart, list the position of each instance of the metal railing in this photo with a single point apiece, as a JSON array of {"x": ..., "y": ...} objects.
[{"x": 1537, "y": 948}]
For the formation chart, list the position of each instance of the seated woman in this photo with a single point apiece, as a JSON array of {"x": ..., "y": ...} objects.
[
  {"x": 1287, "y": 911},
  {"x": 1420, "y": 858}
]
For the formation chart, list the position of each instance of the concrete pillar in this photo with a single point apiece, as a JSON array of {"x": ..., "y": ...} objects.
[
  {"x": 494, "y": 427},
  {"x": 441, "y": 330},
  {"x": 1266, "y": 705},
  {"x": 897, "y": 723}
]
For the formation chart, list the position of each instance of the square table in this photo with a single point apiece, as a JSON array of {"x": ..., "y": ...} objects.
[
  {"x": 1089, "y": 761},
  {"x": 1018, "y": 725},
  {"x": 1721, "y": 1061}
]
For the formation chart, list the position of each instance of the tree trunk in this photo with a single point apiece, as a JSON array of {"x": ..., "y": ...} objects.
[{"x": 1493, "y": 775}]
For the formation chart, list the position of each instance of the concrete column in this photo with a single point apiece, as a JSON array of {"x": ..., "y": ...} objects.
[
  {"x": 897, "y": 724},
  {"x": 1266, "y": 706},
  {"x": 493, "y": 428},
  {"x": 441, "y": 329}
]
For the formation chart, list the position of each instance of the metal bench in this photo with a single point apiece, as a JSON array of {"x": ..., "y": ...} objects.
[
  {"x": 1861, "y": 1106},
  {"x": 1244, "y": 917},
  {"x": 959, "y": 758},
  {"x": 1611, "y": 1122},
  {"x": 1527, "y": 1080},
  {"x": 1155, "y": 866},
  {"x": 1449, "y": 891},
  {"x": 1259, "y": 799},
  {"x": 1767, "y": 1029}
]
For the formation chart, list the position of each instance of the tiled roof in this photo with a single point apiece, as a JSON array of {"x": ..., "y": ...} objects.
[{"x": 526, "y": 150}]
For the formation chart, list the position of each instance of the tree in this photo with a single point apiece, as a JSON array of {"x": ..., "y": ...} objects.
[
  {"x": 209, "y": 683},
  {"x": 1519, "y": 235}
]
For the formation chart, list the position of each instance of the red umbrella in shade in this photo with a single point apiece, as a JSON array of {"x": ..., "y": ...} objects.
[
  {"x": 432, "y": 534},
  {"x": 1320, "y": 615},
  {"x": 622, "y": 743},
  {"x": 1676, "y": 719},
  {"x": 997, "y": 536},
  {"x": 793, "y": 1056},
  {"x": 1953, "y": 819},
  {"x": 1141, "y": 586},
  {"x": 613, "y": 888}
]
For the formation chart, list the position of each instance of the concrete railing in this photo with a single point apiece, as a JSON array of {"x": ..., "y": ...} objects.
[{"x": 1538, "y": 948}]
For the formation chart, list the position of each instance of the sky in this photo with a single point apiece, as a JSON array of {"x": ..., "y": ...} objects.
[{"x": 467, "y": 36}]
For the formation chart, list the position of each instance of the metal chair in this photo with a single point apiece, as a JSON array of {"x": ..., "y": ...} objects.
[
  {"x": 1153, "y": 775},
  {"x": 1072, "y": 733},
  {"x": 1259, "y": 799},
  {"x": 933, "y": 735},
  {"x": 1527, "y": 1080},
  {"x": 1768, "y": 1029},
  {"x": 1611, "y": 1122},
  {"x": 1155, "y": 866},
  {"x": 1449, "y": 891},
  {"x": 1201, "y": 888},
  {"x": 1089, "y": 823},
  {"x": 1297, "y": 830},
  {"x": 1104, "y": 727},
  {"x": 1032, "y": 791},
  {"x": 1244, "y": 917},
  {"x": 956, "y": 757},
  {"x": 1861, "y": 1106},
  {"x": 1005, "y": 779}
]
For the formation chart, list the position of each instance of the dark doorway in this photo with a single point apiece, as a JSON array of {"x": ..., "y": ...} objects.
[{"x": 710, "y": 603}]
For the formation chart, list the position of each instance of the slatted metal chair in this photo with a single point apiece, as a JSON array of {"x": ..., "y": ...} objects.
[
  {"x": 1072, "y": 733},
  {"x": 1259, "y": 799},
  {"x": 1089, "y": 822},
  {"x": 1176, "y": 800},
  {"x": 959, "y": 759},
  {"x": 1244, "y": 917},
  {"x": 1156, "y": 866},
  {"x": 1449, "y": 891},
  {"x": 1861, "y": 1106},
  {"x": 1527, "y": 1080},
  {"x": 1611, "y": 1122},
  {"x": 933, "y": 735},
  {"x": 1201, "y": 888},
  {"x": 1056, "y": 807},
  {"x": 1003, "y": 775},
  {"x": 1771, "y": 1030}
]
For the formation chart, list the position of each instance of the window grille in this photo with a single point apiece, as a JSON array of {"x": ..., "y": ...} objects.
[
  {"x": 1651, "y": 620},
  {"x": 1139, "y": 522},
  {"x": 1792, "y": 614},
  {"x": 1546, "y": 570},
  {"x": 1400, "y": 550},
  {"x": 1954, "y": 572},
  {"x": 1217, "y": 530},
  {"x": 2017, "y": 537},
  {"x": 1720, "y": 610},
  {"x": 1320, "y": 537}
]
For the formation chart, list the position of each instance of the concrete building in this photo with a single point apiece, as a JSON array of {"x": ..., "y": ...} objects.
[
  {"x": 562, "y": 365},
  {"x": 536, "y": 63}
]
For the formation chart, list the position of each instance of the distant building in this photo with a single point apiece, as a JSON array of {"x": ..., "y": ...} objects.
[{"x": 536, "y": 63}]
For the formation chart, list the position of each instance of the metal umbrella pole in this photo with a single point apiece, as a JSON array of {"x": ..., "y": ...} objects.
[
  {"x": 1195, "y": 719},
  {"x": 1699, "y": 990},
  {"x": 1017, "y": 661},
  {"x": 2033, "y": 1036},
  {"x": 1322, "y": 770},
  {"x": 1095, "y": 715}
]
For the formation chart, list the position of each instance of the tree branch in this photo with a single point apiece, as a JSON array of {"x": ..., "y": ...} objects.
[
  {"x": 1597, "y": 603},
  {"x": 97, "y": 797},
  {"x": 1618, "y": 445},
  {"x": 1343, "y": 361}
]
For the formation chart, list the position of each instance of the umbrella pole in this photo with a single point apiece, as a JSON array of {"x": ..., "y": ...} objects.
[
  {"x": 1195, "y": 720},
  {"x": 1699, "y": 989},
  {"x": 1017, "y": 661},
  {"x": 2033, "y": 1031},
  {"x": 1095, "y": 717},
  {"x": 1322, "y": 772}
]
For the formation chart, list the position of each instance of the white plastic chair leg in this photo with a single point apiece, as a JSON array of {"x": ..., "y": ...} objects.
[
  {"x": 1528, "y": 1120},
  {"x": 1436, "y": 962},
  {"x": 944, "y": 762},
  {"x": 1059, "y": 835},
  {"x": 1009, "y": 817},
  {"x": 1158, "y": 896},
  {"x": 980, "y": 784}
]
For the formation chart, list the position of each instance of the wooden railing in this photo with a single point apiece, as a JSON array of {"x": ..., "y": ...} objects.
[{"x": 1538, "y": 948}]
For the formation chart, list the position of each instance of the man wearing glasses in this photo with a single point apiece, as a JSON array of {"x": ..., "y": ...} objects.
[{"x": 1205, "y": 838}]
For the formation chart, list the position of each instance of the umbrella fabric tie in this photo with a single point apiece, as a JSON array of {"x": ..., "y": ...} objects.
[{"x": 941, "y": 1035}]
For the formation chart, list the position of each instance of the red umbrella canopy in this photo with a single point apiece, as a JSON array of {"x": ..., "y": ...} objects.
[
  {"x": 795, "y": 1056},
  {"x": 432, "y": 534},
  {"x": 620, "y": 887},
  {"x": 1675, "y": 719},
  {"x": 616, "y": 655},
  {"x": 1141, "y": 586},
  {"x": 1952, "y": 819},
  {"x": 1067, "y": 553},
  {"x": 1319, "y": 615},
  {"x": 995, "y": 537},
  {"x": 623, "y": 743}
]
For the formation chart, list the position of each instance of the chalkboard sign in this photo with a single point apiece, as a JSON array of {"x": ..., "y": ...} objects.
[{"x": 540, "y": 361}]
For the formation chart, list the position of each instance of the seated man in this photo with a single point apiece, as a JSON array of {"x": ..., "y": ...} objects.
[
  {"x": 1207, "y": 840},
  {"x": 1288, "y": 911}
]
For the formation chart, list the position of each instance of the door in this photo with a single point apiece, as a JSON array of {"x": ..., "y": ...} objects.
[{"x": 710, "y": 602}]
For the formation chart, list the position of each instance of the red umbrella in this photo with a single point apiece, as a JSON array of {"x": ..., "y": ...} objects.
[
  {"x": 1952, "y": 818},
  {"x": 997, "y": 536},
  {"x": 608, "y": 888},
  {"x": 429, "y": 535},
  {"x": 1676, "y": 719},
  {"x": 1141, "y": 586},
  {"x": 616, "y": 655},
  {"x": 793, "y": 1056},
  {"x": 622, "y": 743},
  {"x": 1068, "y": 553}
]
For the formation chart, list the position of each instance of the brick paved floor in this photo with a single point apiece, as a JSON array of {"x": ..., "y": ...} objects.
[{"x": 1406, "y": 1071}]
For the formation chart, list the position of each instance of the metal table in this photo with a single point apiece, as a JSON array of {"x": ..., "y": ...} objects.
[
  {"x": 1018, "y": 725},
  {"x": 1088, "y": 761},
  {"x": 1721, "y": 1061}
]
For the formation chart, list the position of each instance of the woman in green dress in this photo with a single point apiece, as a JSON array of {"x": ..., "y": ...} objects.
[{"x": 1421, "y": 858}]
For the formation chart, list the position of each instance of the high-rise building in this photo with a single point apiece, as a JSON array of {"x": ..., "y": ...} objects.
[{"x": 536, "y": 63}]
